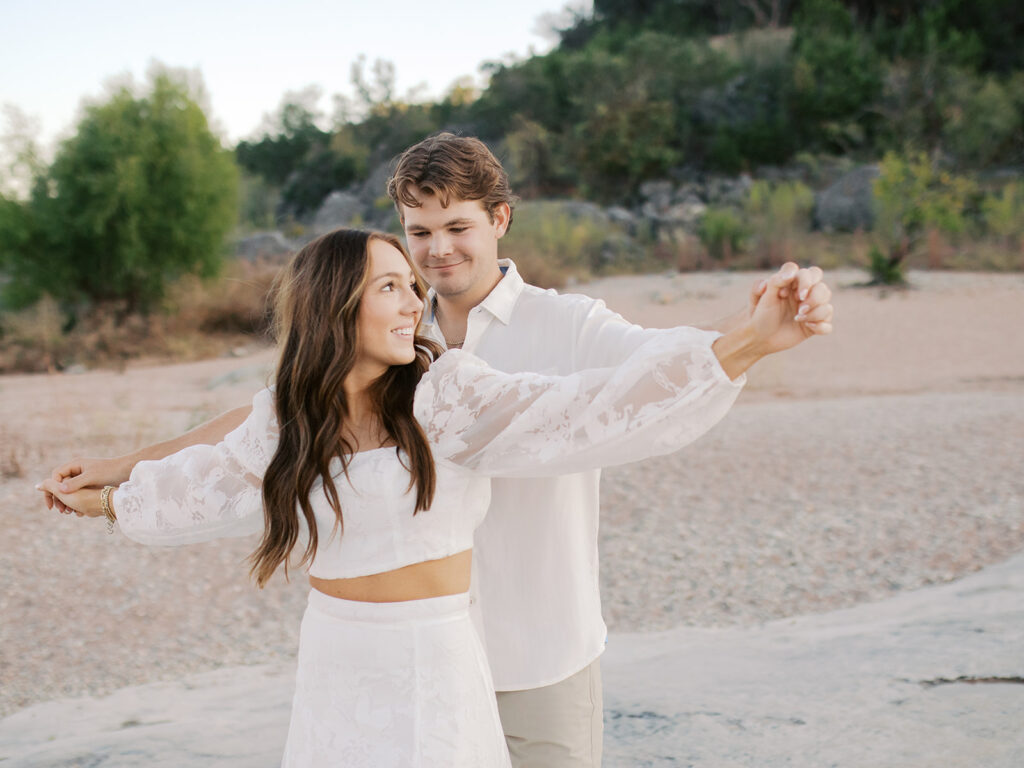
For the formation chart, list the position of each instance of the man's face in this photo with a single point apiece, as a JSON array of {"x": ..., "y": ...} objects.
[{"x": 455, "y": 248}]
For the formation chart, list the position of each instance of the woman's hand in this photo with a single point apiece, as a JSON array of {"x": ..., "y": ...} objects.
[
  {"x": 85, "y": 502},
  {"x": 787, "y": 308},
  {"x": 795, "y": 305},
  {"x": 85, "y": 472}
]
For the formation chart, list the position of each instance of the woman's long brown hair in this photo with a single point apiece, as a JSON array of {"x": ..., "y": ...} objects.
[{"x": 317, "y": 306}]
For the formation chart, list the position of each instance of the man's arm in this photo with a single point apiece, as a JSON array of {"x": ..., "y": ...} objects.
[{"x": 85, "y": 472}]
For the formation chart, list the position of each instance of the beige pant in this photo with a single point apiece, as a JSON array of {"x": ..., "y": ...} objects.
[{"x": 557, "y": 726}]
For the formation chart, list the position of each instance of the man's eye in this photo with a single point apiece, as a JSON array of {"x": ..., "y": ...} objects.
[
  {"x": 457, "y": 230},
  {"x": 417, "y": 234}
]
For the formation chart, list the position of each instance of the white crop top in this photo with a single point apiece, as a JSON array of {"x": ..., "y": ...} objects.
[{"x": 480, "y": 423}]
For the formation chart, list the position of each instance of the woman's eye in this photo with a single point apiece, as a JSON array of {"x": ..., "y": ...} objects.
[{"x": 388, "y": 287}]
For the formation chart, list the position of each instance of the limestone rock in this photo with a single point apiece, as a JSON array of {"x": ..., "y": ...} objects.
[{"x": 849, "y": 204}]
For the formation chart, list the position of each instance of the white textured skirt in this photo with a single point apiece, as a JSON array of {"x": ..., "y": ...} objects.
[{"x": 392, "y": 685}]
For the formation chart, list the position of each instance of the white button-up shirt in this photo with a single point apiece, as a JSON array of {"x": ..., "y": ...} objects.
[{"x": 535, "y": 565}]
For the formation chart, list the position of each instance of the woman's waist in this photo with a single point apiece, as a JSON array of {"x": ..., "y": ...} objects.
[{"x": 419, "y": 581}]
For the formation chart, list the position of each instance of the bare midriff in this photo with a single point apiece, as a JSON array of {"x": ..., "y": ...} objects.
[{"x": 431, "y": 578}]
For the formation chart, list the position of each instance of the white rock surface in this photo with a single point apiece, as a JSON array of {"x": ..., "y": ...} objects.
[{"x": 875, "y": 685}]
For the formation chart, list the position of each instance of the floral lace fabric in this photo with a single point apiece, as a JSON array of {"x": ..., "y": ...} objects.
[{"x": 669, "y": 392}]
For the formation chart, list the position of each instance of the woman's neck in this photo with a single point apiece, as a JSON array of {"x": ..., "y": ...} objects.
[{"x": 363, "y": 422}]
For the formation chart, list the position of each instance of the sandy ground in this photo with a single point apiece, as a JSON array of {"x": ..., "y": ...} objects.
[{"x": 881, "y": 459}]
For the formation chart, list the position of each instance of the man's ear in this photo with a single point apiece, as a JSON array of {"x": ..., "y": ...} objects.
[{"x": 502, "y": 214}]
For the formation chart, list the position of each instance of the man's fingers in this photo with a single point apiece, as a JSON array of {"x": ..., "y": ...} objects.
[
  {"x": 72, "y": 469},
  {"x": 76, "y": 483}
]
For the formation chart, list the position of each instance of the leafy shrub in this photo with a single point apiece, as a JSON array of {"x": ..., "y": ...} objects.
[
  {"x": 553, "y": 241},
  {"x": 1003, "y": 214},
  {"x": 776, "y": 215},
  {"x": 913, "y": 196},
  {"x": 722, "y": 233}
]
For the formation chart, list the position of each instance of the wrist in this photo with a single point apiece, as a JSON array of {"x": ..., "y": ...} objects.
[{"x": 739, "y": 349}]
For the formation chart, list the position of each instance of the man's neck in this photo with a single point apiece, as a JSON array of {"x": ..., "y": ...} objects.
[{"x": 452, "y": 312}]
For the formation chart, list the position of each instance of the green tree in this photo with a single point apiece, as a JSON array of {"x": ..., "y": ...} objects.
[{"x": 142, "y": 194}]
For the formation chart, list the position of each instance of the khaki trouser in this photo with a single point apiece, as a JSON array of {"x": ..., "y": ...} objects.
[{"x": 557, "y": 726}]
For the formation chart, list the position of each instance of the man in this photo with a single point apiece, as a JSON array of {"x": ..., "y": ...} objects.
[{"x": 536, "y": 570}]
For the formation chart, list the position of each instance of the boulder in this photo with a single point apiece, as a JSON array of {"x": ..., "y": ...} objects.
[
  {"x": 339, "y": 209},
  {"x": 849, "y": 204},
  {"x": 263, "y": 245}
]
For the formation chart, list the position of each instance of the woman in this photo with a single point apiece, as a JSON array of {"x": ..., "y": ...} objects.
[{"x": 371, "y": 459}]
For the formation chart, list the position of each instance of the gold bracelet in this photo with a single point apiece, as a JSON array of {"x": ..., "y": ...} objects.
[{"x": 108, "y": 512}]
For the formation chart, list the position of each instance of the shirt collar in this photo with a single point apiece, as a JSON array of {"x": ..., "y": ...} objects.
[{"x": 499, "y": 302}]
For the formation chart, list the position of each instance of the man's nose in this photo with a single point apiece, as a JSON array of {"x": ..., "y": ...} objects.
[{"x": 440, "y": 244}]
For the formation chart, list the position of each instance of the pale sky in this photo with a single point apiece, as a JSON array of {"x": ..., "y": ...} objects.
[{"x": 55, "y": 52}]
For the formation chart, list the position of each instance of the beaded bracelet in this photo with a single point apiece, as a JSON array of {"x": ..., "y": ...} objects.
[{"x": 108, "y": 512}]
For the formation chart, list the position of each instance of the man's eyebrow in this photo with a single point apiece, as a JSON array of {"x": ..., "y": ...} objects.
[{"x": 450, "y": 223}]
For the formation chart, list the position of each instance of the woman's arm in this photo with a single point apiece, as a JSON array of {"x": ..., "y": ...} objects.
[
  {"x": 199, "y": 493},
  {"x": 672, "y": 388},
  {"x": 81, "y": 473}
]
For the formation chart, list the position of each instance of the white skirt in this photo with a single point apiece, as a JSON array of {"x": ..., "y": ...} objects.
[{"x": 392, "y": 685}]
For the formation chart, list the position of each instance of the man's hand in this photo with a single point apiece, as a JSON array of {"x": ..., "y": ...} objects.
[{"x": 85, "y": 473}]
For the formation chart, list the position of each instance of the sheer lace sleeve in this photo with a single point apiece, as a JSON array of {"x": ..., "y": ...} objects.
[
  {"x": 204, "y": 491},
  {"x": 666, "y": 394}
]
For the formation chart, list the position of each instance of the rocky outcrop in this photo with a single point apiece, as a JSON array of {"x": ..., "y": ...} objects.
[
  {"x": 848, "y": 205},
  {"x": 262, "y": 246},
  {"x": 930, "y": 677}
]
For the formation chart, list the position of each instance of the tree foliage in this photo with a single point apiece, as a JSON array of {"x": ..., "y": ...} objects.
[{"x": 141, "y": 194}]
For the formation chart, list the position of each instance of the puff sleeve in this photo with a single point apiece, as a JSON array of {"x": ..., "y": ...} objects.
[
  {"x": 203, "y": 492},
  {"x": 668, "y": 392}
]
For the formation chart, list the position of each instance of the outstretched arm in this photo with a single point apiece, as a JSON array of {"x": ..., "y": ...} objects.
[
  {"x": 199, "y": 493},
  {"x": 82, "y": 473}
]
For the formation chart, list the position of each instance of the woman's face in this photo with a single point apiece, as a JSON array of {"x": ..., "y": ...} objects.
[{"x": 389, "y": 310}]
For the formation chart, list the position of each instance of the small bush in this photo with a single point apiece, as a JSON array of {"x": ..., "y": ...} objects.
[
  {"x": 1003, "y": 214},
  {"x": 555, "y": 240},
  {"x": 723, "y": 234},
  {"x": 914, "y": 197},
  {"x": 777, "y": 215},
  {"x": 885, "y": 269}
]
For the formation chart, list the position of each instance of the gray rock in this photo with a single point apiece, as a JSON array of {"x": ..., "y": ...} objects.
[
  {"x": 263, "y": 245},
  {"x": 657, "y": 195},
  {"x": 374, "y": 190},
  {"x": 687, "y": 214},
  {"x": 849, "y": 204},
  {"x": 339, "y": 209},
  {"x": 621, "y": 216},
  {"x": 929, "y": 677}
]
